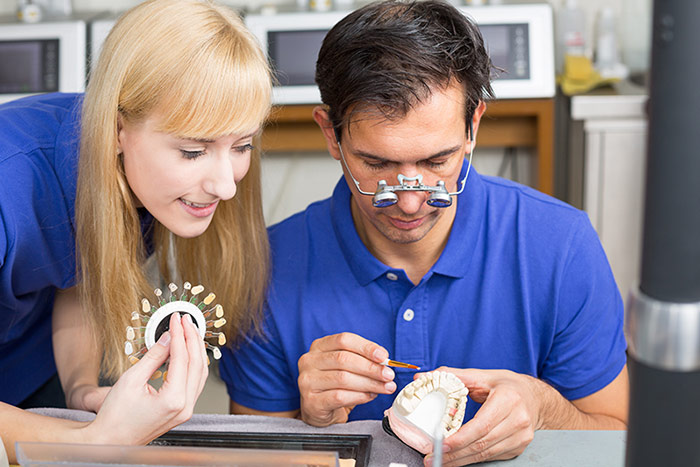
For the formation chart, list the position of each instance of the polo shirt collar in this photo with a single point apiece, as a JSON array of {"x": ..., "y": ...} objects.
[
  {"x": 364, "y": 266},
  {"x": 455, "y": 258},
  {"x": 466, "y": 228}
]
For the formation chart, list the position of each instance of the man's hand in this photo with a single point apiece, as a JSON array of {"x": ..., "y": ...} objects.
[
  {"x": 504, "y": 425},
  {"x": 338, "y": 373},
  {"x": 515, "y": 405}
]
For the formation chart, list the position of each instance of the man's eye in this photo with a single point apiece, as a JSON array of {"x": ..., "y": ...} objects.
[
  {"x": 435, "y": 164},
  {"x": 375, "y": 165},
  {"x": 191, "y": 154}
]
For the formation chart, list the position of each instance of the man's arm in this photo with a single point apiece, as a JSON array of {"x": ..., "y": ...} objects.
[
  {"x": 336, "y": 374},
  {"x": 239, "y": 409},
  {"x": 77, "y": 354},
  {"x": 515, "y": 406}
]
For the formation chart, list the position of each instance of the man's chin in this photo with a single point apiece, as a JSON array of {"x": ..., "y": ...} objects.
[{"x": 404, "y": 237}]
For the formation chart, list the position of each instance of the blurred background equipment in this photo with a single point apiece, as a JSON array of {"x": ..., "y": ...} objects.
[{"x": 662, "y": 319}]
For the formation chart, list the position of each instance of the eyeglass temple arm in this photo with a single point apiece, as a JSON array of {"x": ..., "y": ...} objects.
[
  {"x": 463, "y": 182},
  {"x": 342, "y": 158}
]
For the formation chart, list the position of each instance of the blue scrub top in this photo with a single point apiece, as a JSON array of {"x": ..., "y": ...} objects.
[
  {"x": 522, "y": 284},
  {"x": 39, "y": 139}
]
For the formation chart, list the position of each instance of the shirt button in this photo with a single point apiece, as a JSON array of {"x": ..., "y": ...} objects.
[
  {"x": 391, "y": 276},
  {"x": 408, "y": 314}
]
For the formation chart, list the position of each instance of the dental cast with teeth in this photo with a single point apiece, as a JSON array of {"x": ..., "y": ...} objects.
[
  {"x": 416, "y": 412},
  {"x": 153, "y": 166}
]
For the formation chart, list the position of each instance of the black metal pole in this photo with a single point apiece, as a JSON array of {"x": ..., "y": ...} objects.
[{"x": 663, "y": 316}]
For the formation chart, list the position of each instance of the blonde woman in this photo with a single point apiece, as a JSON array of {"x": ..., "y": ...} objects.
[{"x": 155, "y": 158}]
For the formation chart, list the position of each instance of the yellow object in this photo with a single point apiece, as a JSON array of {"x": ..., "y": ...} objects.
[{"x": 579, "y": 76}]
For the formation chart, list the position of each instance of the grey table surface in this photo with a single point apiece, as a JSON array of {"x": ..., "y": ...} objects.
[{"x": 548, "y": 449}]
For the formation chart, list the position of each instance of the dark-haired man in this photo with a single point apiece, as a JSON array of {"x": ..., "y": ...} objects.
[{"x": 418, "y": 257}]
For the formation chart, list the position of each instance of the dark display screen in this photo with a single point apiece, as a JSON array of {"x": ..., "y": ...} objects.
[
  {"x": 28, "y": 66},
  {"x": 508, "y": 47},
  {"x": 293, "y": 53}
]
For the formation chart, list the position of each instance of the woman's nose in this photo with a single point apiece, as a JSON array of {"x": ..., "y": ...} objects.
[{"x": 220, "y": 181}]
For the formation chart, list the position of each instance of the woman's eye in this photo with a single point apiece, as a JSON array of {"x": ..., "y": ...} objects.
[
  {"x": 245, "y": 148},
  {"x": 191, "y": 154}
]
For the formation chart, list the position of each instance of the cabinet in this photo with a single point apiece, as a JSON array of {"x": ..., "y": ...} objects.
[{"x": 614, "y": 170}]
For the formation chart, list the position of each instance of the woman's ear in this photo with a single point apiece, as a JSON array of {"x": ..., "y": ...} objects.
[{"x": 120, "y": 127}]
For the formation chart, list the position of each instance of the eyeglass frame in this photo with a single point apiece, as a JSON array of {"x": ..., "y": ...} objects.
[{"x": 385, "y": 195}]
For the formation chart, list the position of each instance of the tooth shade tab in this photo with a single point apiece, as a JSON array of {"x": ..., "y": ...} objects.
[{"x": 155, "y": 321}]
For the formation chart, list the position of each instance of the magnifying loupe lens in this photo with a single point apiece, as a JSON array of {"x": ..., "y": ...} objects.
[
  {"x": 382, "y": 200},
  {"x": 440, "y": 200}
]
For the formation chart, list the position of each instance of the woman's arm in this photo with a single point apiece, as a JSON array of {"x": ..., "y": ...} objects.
[
  {"x": 77, "y": 352},
  {"x": 133, "y": 412}
]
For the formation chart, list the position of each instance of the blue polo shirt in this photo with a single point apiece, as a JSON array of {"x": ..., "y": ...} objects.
[{"x": 522, "y": 284}]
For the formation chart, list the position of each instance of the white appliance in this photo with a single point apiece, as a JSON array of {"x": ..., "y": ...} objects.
[
  {"x": 519, "y": 39},
  {"x": 99, "y": 28},
  {"x": 42, "y": 57}
]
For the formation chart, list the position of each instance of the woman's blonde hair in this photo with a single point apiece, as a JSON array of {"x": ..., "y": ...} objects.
[{"x": 196, "y": 65}]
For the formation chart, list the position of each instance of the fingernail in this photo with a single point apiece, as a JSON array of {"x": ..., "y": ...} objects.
[
  {"x": 380, "y": 355},
  {"x": 390, "y": 386},
  {"x": 388, "y": 373},
  {"x": 188, "y": 318},
  {"x": 445, "y": 448},
  {"x": 429, "y": 460},
  {"x": 164, "y": 339}
]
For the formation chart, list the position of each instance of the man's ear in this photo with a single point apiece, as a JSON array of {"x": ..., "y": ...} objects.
[
  {"x": 476, "y": 118},
  {"x": 324, "y": 122}
]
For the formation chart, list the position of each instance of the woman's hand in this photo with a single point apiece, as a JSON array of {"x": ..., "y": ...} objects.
[
  {"x": 134, "y": 412},
  {"x": 87, "y": 397}
]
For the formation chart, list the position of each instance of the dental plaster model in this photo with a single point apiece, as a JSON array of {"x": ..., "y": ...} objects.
[
  {"x": 435, "y": 401},
  {"x": 154, "y": 321}
]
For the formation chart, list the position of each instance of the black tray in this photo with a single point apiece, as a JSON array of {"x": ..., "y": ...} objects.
[{"x": 348, "y": 446}]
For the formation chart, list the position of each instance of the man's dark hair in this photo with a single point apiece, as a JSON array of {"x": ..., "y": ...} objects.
[{"x": 389, "y": 56}]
